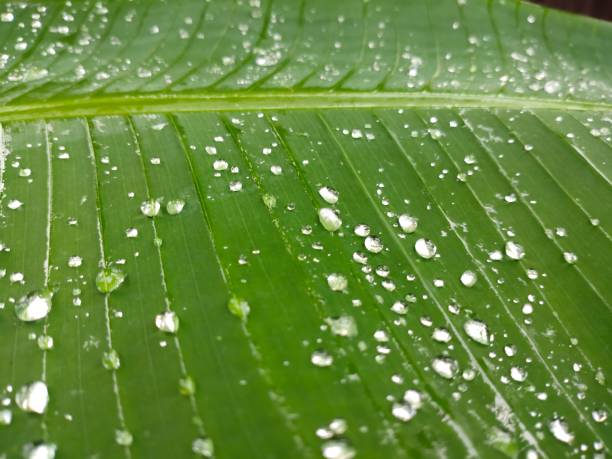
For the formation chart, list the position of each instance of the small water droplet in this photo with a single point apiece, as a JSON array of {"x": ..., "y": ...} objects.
[
  {"x": 329, "y": 219},
  {"x": 403, "y": 411},
  {"x": 362, "y": 230},
  {"x": 109, "y": 279},
  {"x": 34, "y": 306},
  {"x": 39, "y": 451},
  {"x": 570, "y": 257},
  {"x": 235, "y": 185},
  {"x": 123, "y": 437},
  {"x": 45, "y": 342},
  {"x": 14, "y": 204},
  {"x": 407, "y": 223},
  {"x": 518, "y": 374},
  {"x": 425, "y": 248},
  {"x": 186, "y": 386},
  {"x": 321, "y": 358},
  {"x": 399, "y": 308},
  {"x": 33, "y": 397},
  {"x": 6, "y": 417},
  {"x": 150, "y": 207},
  {"x": 167, "y": 322},
  {"x": 337, "y": 449},
  {"x": 175, "y": 206},
  {"x": 329, "y": 194},
  {"x": 75, "y": 262},
  {"x": 599, "y": 415},
  {"x": 514, "y": 251},
  {"x": 220, "y": 165},
  {"x": 337, "y": 282},
  {"x": 469, "y": 278},
  {"x": 276, "y": 170},
  {"x": 552, "y": 86},
  {"x": 441, "y": 335},
  {"x": 478, "y": 331}
]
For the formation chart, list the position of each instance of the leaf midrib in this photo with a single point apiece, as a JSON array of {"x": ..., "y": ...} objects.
[{"x": 282, "y": 100}]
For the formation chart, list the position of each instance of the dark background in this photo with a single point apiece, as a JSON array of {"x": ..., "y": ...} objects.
[{"x": 601, "y": 9}]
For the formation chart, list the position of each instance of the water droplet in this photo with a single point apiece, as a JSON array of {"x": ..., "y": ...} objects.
[
  {"x": 186, "y": 386},
  {"x": 425, "y": 248},
  {"x": 167, "y": 322},
  {"x": 407, "y": 223},
  {"x": 276, "y": 170},
  {"x": 131, "y": 233},
  {"x": 111, "y": 360},
  {"x": 321, "y": 358},
  {"x": 123, "y": 437},
  {"x": 560, "y": 430},
  {"x": 337, "y": 449},
  {"x": 235, "y": 185},
  {"x": 14, "y": 204},
  {"x": 445, "y": 367},
  {"x": 109, "y": 279},
  {"x": 362, "y": 230},
  {"x": 570, "y": 257},
  {"x": 75, "y": 262},
  {"x": 403, "y": 411},
  {"x": 373, "y": 244},
  {"x": 6, "y": 417},
  {"x": 469, "y": 278},
  {"x": 552, "y": 86},
  {"x": 441, "y": 335},
  {"x": 150, "y": 208},
  {"x": 175, "y": 206},
  {"x": 39, "y": 451},
  {"x": 269, "y": 200},
  {"x": 343, "y": 326},
  {"x": 239, "y": 307},
  {"x": 45, "y": 342},
  {"x": 329, "y": 195},
  {"x": 399, "y": 308},
  {"x": 518, "y": 374},
  {"x": 413, "y": 398},
  {"x": 329, "y": 219},
  {"x": 203, "y": 447},
  {"x": 599, "y": 415},
  {"x": 514, "y": 251},
  {"x": 220, "y": 165},
  {"x": 337, "y": 282},
  {"x": 478, "y": 331},
  {"x": 33, "y": 397},
  {"x": 34, "y": 306}
]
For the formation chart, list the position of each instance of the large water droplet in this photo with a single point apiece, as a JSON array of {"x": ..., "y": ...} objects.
[
  {"x": 34, "y": 306},
  {"x": 329, "y": 195},
  {"x": 343, "y": 326},
  {"x": 425, "y": 248},
  {"x": 167, "y": 322},
  {"x": 373, "y": 244},
  {"x": 514, "y": 251},
  {"x": 407, "y": 223},
  {"x": 33, "y": 397},
  {"x": 478, "y": 331},
  {"x": 150, "y": 207},
  {"x": 203, "y": 447},
  {"x": 239, "y": 307},
  {"x": 109, "y": 279},
  {"x": 329, "y": 219},
  {"x": 560, "y": 430},
  {"x": 445, "y": 367}
]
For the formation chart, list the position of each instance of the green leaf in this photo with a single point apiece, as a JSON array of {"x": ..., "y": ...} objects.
[{"x": 384, "y": 227}]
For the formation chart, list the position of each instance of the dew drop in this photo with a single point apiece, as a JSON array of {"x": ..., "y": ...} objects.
[
  {"x": 362, "y": 230},
  {"x": 235, "y": 185},
  {"x": 560, "y": 430},
  {"x": 441, "y": 335},
  {"x": 337, "y": 282},
  {"x": 399, "y": 308},
  {"x": 518, "y": 374},
  {"x": 123, "y": 437},
  {"x": 39, "y": 451},
  {"x": 220, "y": 165},
  {"x": 34, "y": 306},
  {"x": 552, "y": 86},
  {"x": 150, "y": 208},
  {"x": 403, "y": 411},
  {"x": 373, "y": 244},
  {"x": 445, "y": 367},
  {"x": 109, "y": 279},
  {"x": 45, "y": 342},
  {"x": 425, "y": 248},
  {"x": 111, "y": 360},
  {"x": 329, "y": 194},
  {"x": 239, "y": 307},
  {"x": 337, "y": 449},
  {"x": 167, "y": 322},
  {"x": 203, "y": 447},
  {"x": 514, "y": 251},
  {"x": 186, "y": 386},
  {"x": 343, "y": 326},
  {"x": 407, "y": 223},
  {"x": 478, "y": 331},
  {"x": 75, "y": 262},
  {"x": 276, "y": 170},
  {"x": 175, "y": 206},
  {"x": 329, "y": 219},
  {"x": 599, "y": 415},
  {"x": 469, "y": 278},
  {"x": 321, "y": 358},
  {"x": 6, "y": 417},
  {"x": 33, "y": 397},
  {"x": 570, "y": 257},
  {"x": 14, "y": 204}
]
